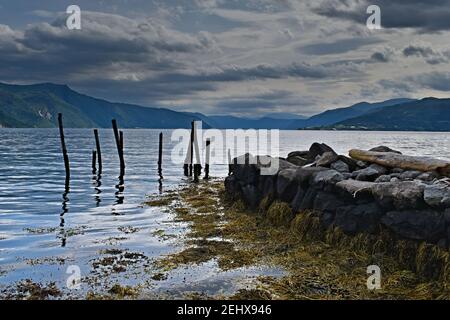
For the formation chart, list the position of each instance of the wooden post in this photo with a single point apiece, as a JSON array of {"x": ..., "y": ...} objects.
[
  {"x": 230, "y": 166},
  {"x": 64, "y": 149},
  {"x": 119, "y": 144},
  {"x": 121, "y": 141},
  {"x": 99, "y": 152},
  {"x": 94, "y": 162},
  {"x": 191, "y": 151},
  {"x": 160, "y": 153},
  {"x": 208, "y": 154}
]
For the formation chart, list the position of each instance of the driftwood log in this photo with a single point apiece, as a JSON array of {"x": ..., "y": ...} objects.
[{"x": 394, "y": 160}]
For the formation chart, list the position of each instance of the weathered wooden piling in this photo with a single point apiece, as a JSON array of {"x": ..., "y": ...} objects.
[
  {"x": 94, "y": 161},
  {"x": 230, "y": 166},
  {"x": 207, "y": 158},
  {"x": 64, "y": 149},
  {"x": 191, "y": 151},
  {"x": 160, "y": 154},
  {"x": 99, "y": 152},
  {"x": 119, "y": 144}
]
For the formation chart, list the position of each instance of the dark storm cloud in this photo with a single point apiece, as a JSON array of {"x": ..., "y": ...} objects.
[
  {"x": 435, "y": 80},
  {"x": 425, "y": 15},
  {"x": 380, "y": 57},
  {"x": 430, "y": 55}
]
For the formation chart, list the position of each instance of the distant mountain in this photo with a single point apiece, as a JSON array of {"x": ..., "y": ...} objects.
[
  {"x": 284, "y": 116},
  {"x": 333, "y": 116},
  {"x": 429, "y": 114},
  {"x": 231, "y": 122},
  {"x": 37, "y": 106}
]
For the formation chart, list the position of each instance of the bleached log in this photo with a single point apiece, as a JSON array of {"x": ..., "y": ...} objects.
[{"x": 394, "y": 160}]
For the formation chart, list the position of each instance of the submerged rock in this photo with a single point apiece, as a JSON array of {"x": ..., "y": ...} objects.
[{"x": 384, "y": 149}]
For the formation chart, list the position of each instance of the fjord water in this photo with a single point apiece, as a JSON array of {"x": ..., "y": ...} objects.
[{"x": 39, "y": 219}]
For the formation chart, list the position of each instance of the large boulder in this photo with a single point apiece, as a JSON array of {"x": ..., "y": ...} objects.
[
  {"x": 325, "y": 201},
  {"x": 318, "y": 149},
  {"x": 301, "y": 154},
  {"x": 286, "y": 184},
  {"x": 305, "y": 175},
  {"x": 326, "y": 159},
  {"x": 416, "y": 224},
  {"x": 340, "y": 166},
  {"x": 371, "y": 173},
  {"x": 298, "y": 161},
  {"x": 251, "y": 195},
  {"x": 328, "y": 177},
  {"x": 437, "y": 195},
  {"x": 400, "y": 195},
  {"x": 359, "y": 218}
]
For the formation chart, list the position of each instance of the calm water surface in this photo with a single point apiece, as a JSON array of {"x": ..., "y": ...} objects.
[{"x": 39, "y": 219}]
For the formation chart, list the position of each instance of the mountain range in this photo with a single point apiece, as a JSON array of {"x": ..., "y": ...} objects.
[{"x": 37, "y": 106}]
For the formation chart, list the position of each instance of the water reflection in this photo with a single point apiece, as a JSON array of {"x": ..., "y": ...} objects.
[
  {"x": 65, "y": 210},
  {"x": 119, "y": 194},
  {"x": 97, "y": 182}
]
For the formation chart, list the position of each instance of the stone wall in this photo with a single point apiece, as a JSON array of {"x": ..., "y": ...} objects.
[{"x": 353, "y": 195}]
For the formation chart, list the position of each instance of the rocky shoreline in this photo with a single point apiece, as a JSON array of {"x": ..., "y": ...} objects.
[{"x": 409, "y": 196}]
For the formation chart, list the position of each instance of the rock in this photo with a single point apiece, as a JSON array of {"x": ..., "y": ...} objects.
[
  {"x": 367, "y": 174},
  {"x": 308, "y": 199},
  {"x": 427, "y": 176},
  {"x": 360, "y": 218},
  {"x": 353, "y": 187},
  {"x": 245, "y": 169},
  {"x": 329, "y": 177},
  {"x": 326, "y": 159},
  {"x": 437, "y": 195},
  {"x": 286, "y": 184},
  {"x": 447, "y": 216},
  {"x": 380, "y": 169},
  {"x": 298, "y": 161},
  {"x": 298, "y": 198},
  {"x": 346, "y": 175},
  {"x": 305, "y": 175},
  {"x": 371, "y": 173},
  {"x": 395, "y": 180},
  {"x": 416, "y": 224},
  {"x": 318, "y": 149},
  {"x": 361, "y": 164},
  {"x": 326, "y": 201},
  {"x": 301, "y": 154},
  {"x": 400, "y": 195},
  {"x": 251, "y": 196},
  {"x": 383, "y": 179},
  {"x": 232, "y": 186},
  {"x": 397, "y": 170},
  {"x": 340, "y": 166},
  {"x": 384, "y": 149},
  {"x": 267, "y": 185},
  {"x": 410, "y": 175},
  {"x": 352, "y": 164}
]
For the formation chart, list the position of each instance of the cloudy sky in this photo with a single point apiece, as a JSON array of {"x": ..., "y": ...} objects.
[{"x": 231, "y": 56}]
